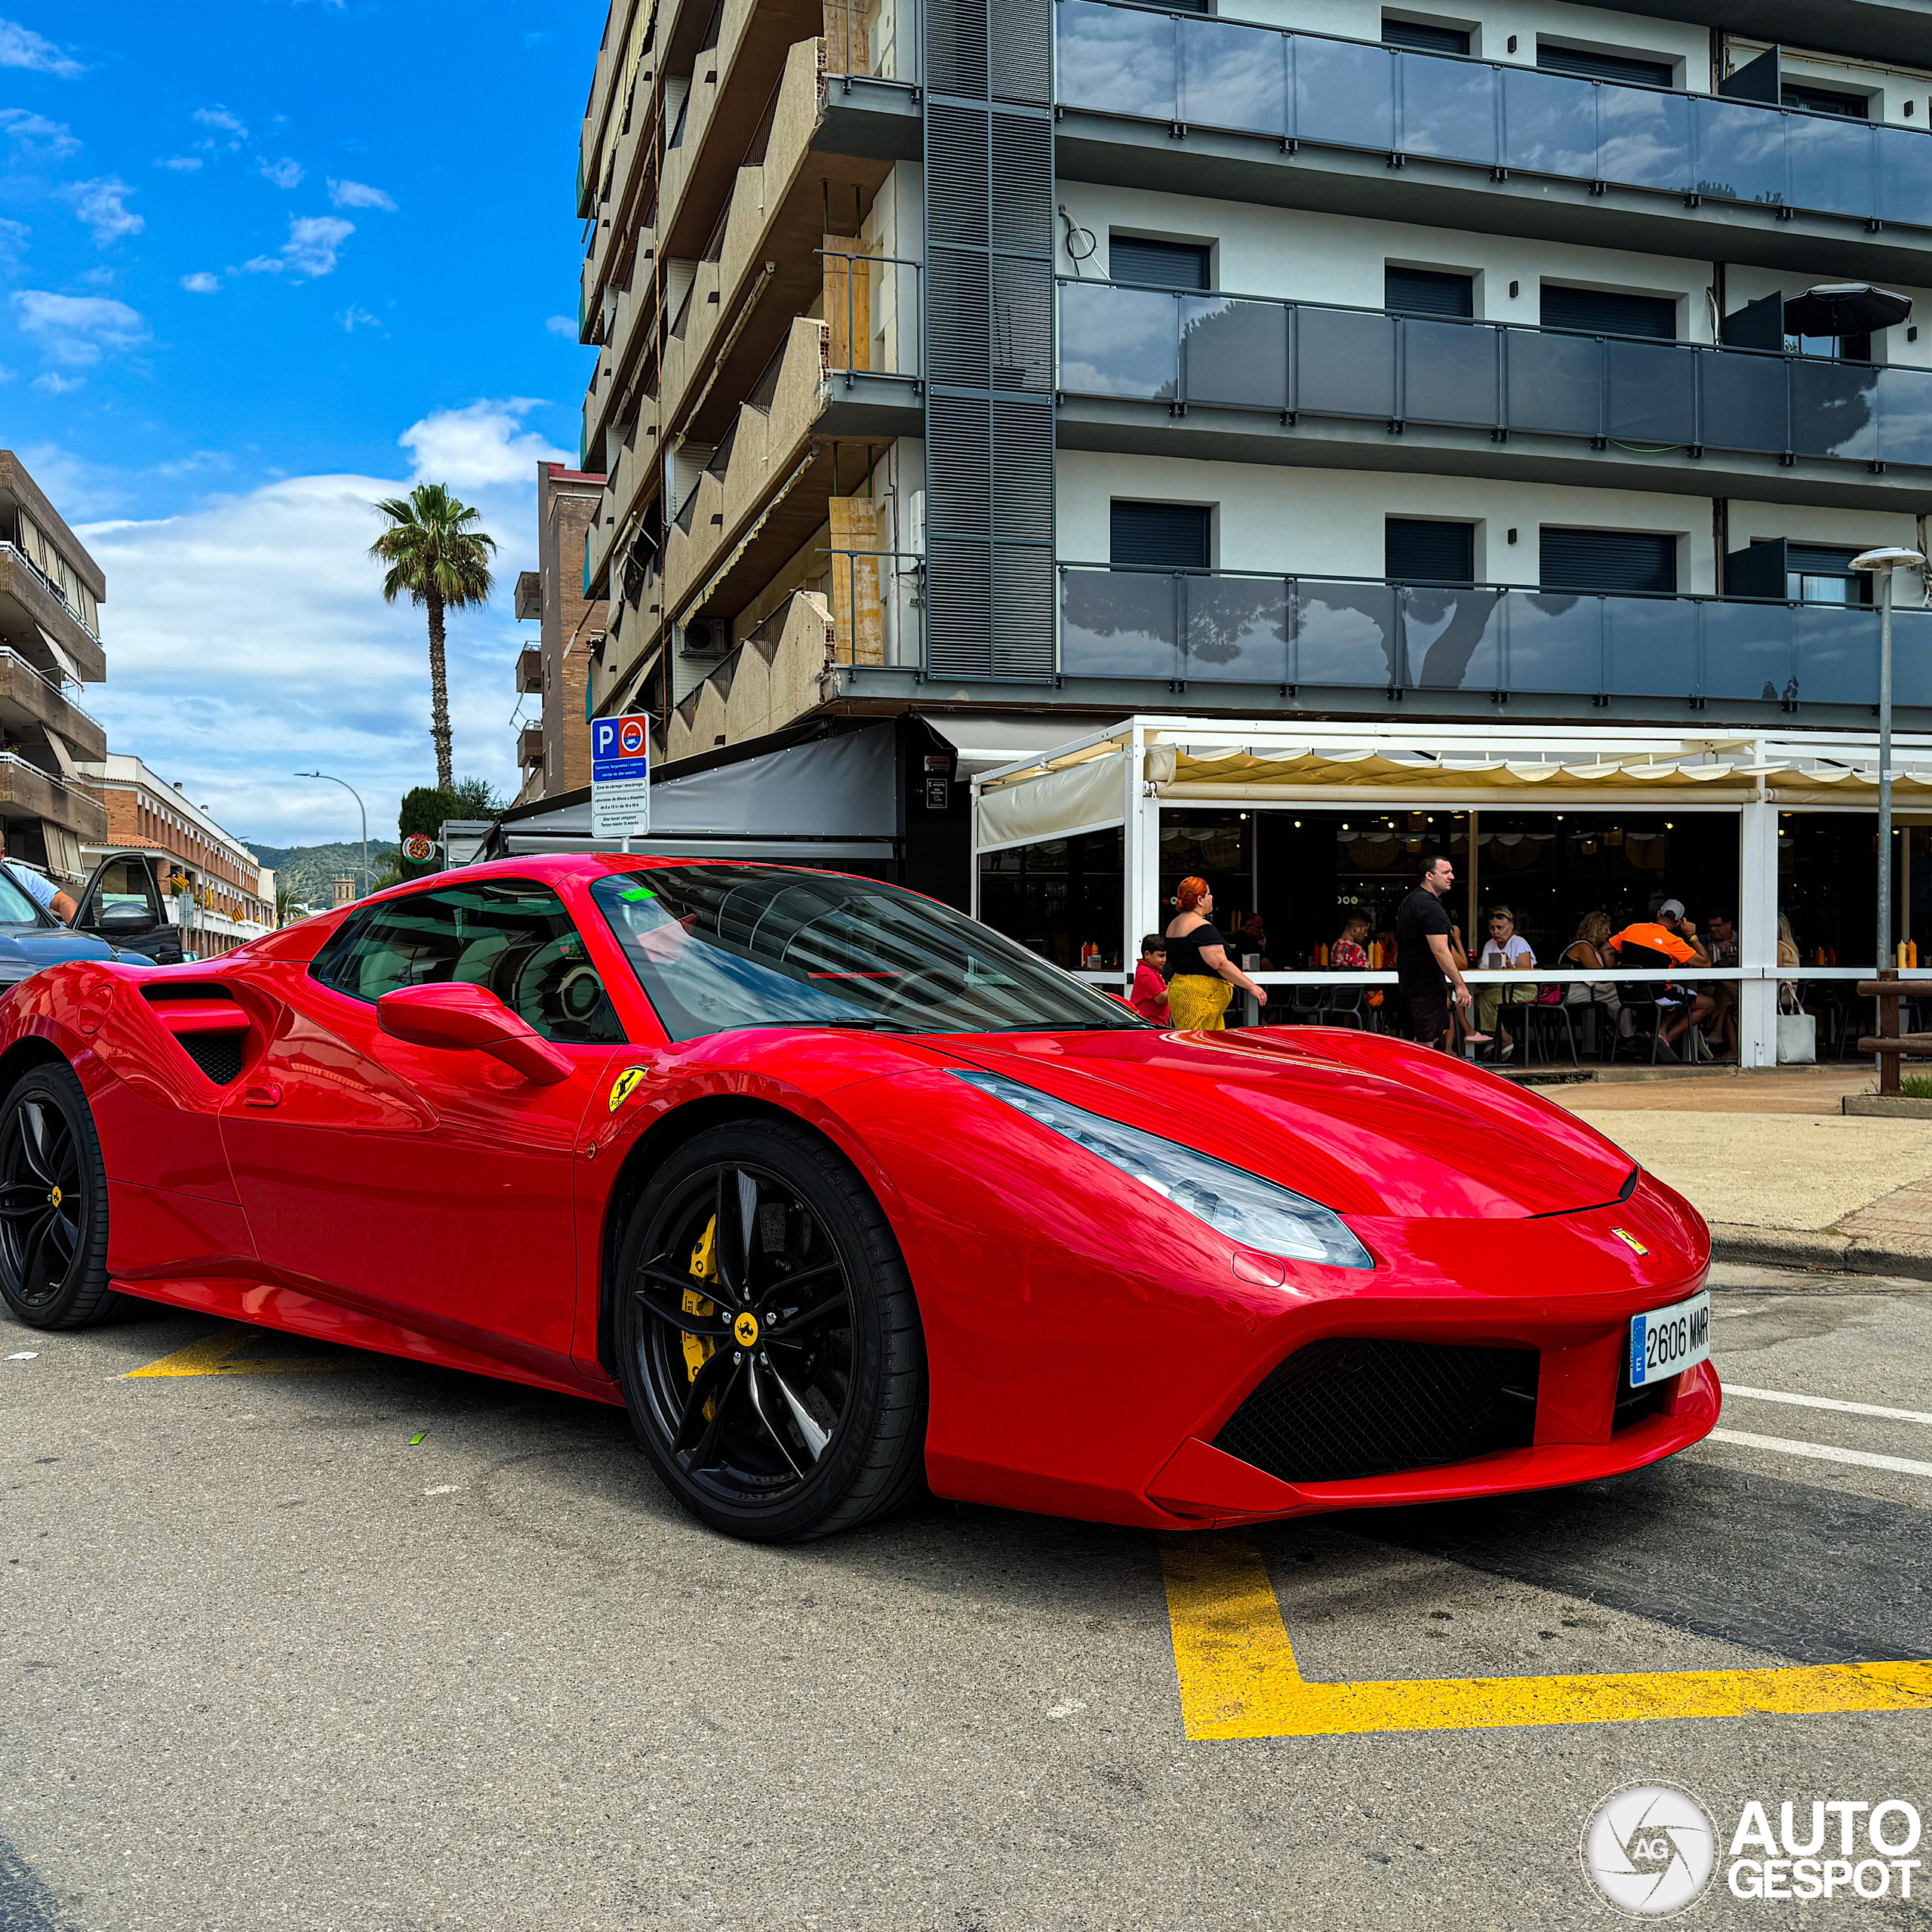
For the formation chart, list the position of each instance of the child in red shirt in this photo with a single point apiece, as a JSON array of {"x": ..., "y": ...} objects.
[{"x": 1149, "y": 998}]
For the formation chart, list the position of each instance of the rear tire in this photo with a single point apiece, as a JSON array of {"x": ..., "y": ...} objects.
[
  {"x": 768, "y": 1341},
  {"x": 53, "y": 1205}
]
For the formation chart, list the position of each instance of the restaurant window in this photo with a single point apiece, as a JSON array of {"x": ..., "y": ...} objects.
[
  {"x": 1160, "y": 264},
  {"x": 1608, "y": 560},
  {"x": 1058, "y": 897},
  {"x": 1629, "y": 70},
  {"x": 1419, "y": 550},
  {"x": 1424, "y": 36},
  {"x": 1826, "y": 100},
  {"x": 1610, "y": 311},
  {"x": 1428, "y": 292},
  {"x": 1168, "y": 536}
]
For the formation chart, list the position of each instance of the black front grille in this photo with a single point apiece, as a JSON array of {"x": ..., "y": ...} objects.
[
  {"x": 218, "y": 1055},
  {"x": 1347, "y": 1407},
  {"x": 1636, "y": 1405}
]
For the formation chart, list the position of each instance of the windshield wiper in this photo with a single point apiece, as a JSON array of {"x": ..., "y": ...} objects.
[{"x": 865, "y": 1025}]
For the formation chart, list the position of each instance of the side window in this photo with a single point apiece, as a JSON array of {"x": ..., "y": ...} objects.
[{"x": 514, "y": 938}]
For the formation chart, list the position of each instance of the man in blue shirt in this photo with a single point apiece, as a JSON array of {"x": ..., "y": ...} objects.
[{"x": 38, "y": 887}]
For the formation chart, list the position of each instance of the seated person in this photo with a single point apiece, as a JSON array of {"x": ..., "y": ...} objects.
[
  {"x": 1670, "y": 936},
  {"x": 1253, "y": 938},
  {"x": 1149, "y": 997},
  {"x": 1505, "y": 951},
  {"x": 1349, "y": 954}
]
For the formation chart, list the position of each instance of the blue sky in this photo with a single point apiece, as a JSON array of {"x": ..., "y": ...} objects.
[{"x": 262, "y": 260}]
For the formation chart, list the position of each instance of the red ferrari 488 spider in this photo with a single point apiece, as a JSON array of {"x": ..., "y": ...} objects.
[{"x": 838, "y": 1192}]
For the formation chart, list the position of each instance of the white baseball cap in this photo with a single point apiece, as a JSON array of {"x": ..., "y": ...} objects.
[{"x": 1670, "y": 908}]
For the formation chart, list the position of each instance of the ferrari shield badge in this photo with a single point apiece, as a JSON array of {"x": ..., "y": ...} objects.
[
  {"x": 1629, "y": 1240},
  {"x": 624, "y": 1086}
]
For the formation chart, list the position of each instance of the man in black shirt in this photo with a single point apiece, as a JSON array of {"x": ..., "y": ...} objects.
[{"x": 1424, "y": 964}]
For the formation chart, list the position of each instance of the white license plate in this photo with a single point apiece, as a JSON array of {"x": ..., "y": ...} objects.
[{"x": 1670, "y": 1340}]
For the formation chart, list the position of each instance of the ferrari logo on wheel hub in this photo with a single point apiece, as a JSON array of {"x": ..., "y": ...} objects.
[
  {"x": 745, "y": 1329},
  {"x": 54, "y": 1197}
]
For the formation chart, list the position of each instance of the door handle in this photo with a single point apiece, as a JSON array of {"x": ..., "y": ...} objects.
[{"x": 269, "y": 1096}]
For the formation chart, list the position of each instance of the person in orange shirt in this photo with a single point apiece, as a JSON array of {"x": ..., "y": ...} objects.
[
  {"x": 1149, "y": 997},
  {"x": 1669, "y": 936}
]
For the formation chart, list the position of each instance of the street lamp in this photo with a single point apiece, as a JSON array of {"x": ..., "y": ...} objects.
[
  {"x": 360, "y": 806},
  {"x": 1881, "y": 563}
]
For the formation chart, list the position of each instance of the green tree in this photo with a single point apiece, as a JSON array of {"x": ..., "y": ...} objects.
[
  {"x": 436, "y": 554},
  {"x": 424, "y": 810}
]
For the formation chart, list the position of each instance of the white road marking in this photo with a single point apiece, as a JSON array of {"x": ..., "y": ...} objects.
[
  {"x": 1823, "y": 1452},
  {"x": 26, "y": 1354},
  {"x": 1829, "y": 1402},
  {"x": 443, "y": 1489}
]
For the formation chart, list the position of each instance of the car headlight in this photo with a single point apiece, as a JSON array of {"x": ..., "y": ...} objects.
[{"x": 1242, "y": 1206}]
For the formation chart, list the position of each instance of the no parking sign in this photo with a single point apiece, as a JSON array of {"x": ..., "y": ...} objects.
[{"x": 620, "y": 777}]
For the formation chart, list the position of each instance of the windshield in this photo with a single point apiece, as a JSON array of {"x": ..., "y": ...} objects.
[
  {"x": 16, "y": 907},
  {"x": 719, "y": 946}
]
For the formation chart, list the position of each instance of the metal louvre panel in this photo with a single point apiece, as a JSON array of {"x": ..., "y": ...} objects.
[
  {"x": 1175, "y": 537},
  {"x": 958, "y": 319},
  {"x": 959, "y": 608},
  {"x": 957, "y": 208},
  {"x": 956, "y": 41},
  {"x": 1022, "y": 51},
  {"x": 959, "y": 478},
  {"x": 1022, "y": 314},
  {"x": 1023, "y": 451},
  {"x": 1608, "y": 560},
  {"x": 1023, "y": 611},
  {"x": 1022, "y": 212},
  {"x": 1610, "y": 311},
  {"x": 1418, "y": 551}
]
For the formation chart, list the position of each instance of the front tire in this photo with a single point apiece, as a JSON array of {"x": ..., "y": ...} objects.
[
  {"x": 53, "y": 1205},
  {"x": 768, "y": 1341}
]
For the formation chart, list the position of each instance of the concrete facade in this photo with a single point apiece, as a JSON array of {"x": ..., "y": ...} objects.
[{"x": 554, "y": 755}]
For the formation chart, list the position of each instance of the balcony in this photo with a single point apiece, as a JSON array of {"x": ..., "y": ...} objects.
[
  {"x": 529, "y": 746},
  {"x": 27, "y": 792},
  {"x": 44, "y": 607},
  {"x": 1285, "y": 382},
  {"x": 1300, "y": 634},
  {"x": 529, "y": 596},
  {"x": 29, "y": 696},
  {"x": 1361, "y": 128},
  {"x": 529, "y": 667}
]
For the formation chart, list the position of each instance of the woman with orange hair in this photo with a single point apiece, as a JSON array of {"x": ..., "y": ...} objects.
[{"x": 1202, "y": 977}]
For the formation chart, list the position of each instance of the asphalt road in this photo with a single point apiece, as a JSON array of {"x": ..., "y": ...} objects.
[{"x": 267, "y": 1663}]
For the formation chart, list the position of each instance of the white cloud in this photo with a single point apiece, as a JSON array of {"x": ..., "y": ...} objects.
[
  {"x": 181, "y": 164},
  {"x": 33, "y": 130},
  {"x": 76, "y": 330},
  {"x": 221, "y": 122},
  {"x": 55, "y": 384},
  {"x": 102, "y": 205},
  {"x": 196, "y": 692},
  {"x": 563, "y": 325},
  {"x": 352, "y": 318},
  {"x": 482, "y": 444},
  {"x": 358, "y": 195},
  {"x": 285, "y": 173},
  {"x": 21, "y": 47},
  {"x": 310, "y": 250},
  {"x": 13, "y": 239},
  {"x": 80, "y": 488},
  {"x": 201, "y": 282}
]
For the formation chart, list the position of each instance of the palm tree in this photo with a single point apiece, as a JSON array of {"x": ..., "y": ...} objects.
[{"x": 435, "y": 555}]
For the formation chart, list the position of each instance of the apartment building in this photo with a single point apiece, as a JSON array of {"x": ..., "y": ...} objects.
[
  {"x": 553, "y": 749},
  {"x": 1464, "y": 390},
  {"x": 51, "y": 594},
  {"x": 217, "y": 891}
]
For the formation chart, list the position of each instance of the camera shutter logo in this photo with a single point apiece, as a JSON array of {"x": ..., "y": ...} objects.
[{"x": 1650, "y": 1850}]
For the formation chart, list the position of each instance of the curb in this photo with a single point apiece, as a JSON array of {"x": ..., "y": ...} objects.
[{"x": 1841, "y": 1254}]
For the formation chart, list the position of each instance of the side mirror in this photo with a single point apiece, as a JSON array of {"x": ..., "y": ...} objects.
[{"x": 456, "y": 1016}]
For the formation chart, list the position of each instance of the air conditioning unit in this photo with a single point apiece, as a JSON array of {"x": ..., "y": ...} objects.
[{"x": 706, "y": 637}]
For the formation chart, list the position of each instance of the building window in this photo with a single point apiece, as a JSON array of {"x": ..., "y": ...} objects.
[
  {"x": 1428, "y": 292},
  {"x": 1628, "y": 69},
  {"x": 1424, "y": 36},
  {"x": 1826, "y": 100},
  {"x": 1611, "y": 560},
  {"x": 1168, "y": 536},
  {"x": 1419, "y": 550},
  {"x": 1815, "y": 573},
  {"x": 1610, "y": 311},
  {"x": 1160, "y": 264}
]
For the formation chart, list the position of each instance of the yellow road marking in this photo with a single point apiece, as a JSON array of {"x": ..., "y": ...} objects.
[
  {"x": 1239, "y": 1676},
  {"x": 221, "y": 1353}
]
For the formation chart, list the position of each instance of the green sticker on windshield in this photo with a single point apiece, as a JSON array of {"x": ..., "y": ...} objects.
[{"x": 637, "y": 892}]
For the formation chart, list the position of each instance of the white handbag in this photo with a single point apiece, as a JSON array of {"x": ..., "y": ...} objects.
[{"x": 1798, "y": 1039}]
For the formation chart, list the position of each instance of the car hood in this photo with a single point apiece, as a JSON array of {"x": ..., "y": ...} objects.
[
  {"x": 28, "y": 948},
  {"x": 1367, "y": 1124}
]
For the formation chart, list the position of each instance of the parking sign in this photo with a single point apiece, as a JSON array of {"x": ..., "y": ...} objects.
[{"x": 620, "y": 777}]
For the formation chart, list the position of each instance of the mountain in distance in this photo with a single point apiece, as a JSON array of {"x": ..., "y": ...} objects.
[{"x": 306, "y": 874}]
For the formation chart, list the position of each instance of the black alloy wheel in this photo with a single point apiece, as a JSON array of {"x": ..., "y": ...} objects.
[
  {"x": 769, "y": 1342},
  {"x": 53, "y": 1205}
]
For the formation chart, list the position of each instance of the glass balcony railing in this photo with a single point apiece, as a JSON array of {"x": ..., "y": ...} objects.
[
  {"x": 1325, "y": 633},
  {"x": 1232, "y": 353},
  {"x": 1193, "y": 70}
]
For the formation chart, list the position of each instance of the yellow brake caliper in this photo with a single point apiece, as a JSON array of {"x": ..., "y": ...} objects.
[{"x": 700, "y": 1348}]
